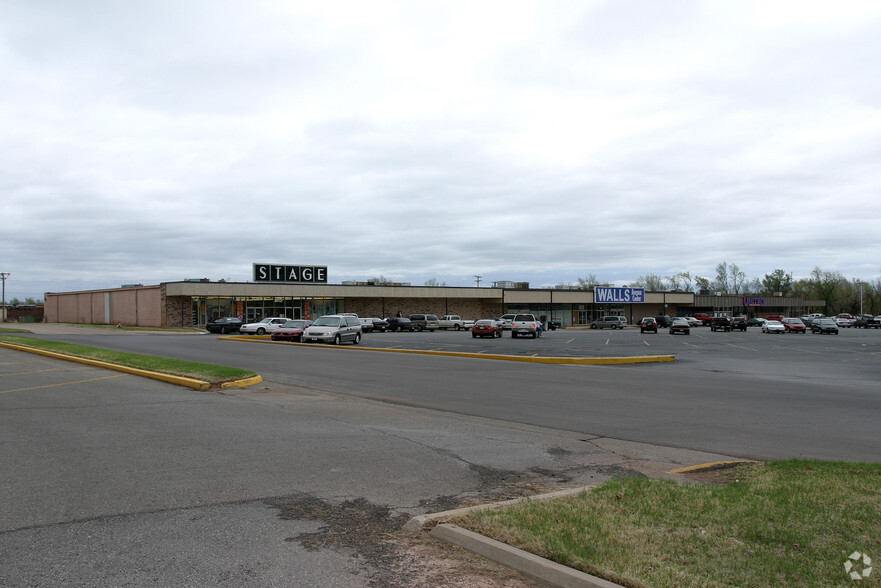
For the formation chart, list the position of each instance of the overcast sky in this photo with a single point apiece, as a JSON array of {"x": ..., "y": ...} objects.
[{"x": 146, "y": 142}]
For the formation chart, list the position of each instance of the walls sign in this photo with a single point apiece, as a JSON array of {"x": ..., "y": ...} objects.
[
  {"x": 603, "y": 294},
  {"x": 308, "y": 274}
]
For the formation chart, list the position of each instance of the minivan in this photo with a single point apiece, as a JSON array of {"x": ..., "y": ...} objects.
[
  {"x": 334, "y": 328},
  {"x": 425, "y": 322}
]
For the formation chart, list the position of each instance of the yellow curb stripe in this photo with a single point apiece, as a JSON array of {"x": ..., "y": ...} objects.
[
  {"x": 178, "y": 380},
  {"x": 64, "y": 383},
  {"x": 706, "y": 466},
  {"x": 483, "y": 355},
  {"x": 242, "y": 383}
]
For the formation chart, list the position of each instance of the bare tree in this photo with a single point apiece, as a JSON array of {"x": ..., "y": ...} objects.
[{"x": 588, "y": 283}]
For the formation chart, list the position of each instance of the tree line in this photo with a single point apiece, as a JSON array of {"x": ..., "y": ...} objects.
[{"x": 839, "y": 293}]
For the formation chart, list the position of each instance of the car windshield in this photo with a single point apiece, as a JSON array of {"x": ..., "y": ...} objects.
[
  {"x": 680, "y": 320},
  {"x": 827, "y": 322},
  {"x": 794, "y": 321},
  {"x": 483, "y": 323},
  {"x": 327, "y": 321},
  {"x": 294, "y": 324}
]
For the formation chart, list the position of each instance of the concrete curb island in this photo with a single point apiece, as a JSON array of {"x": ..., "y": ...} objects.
[
  {"x": 528, "y": 564},
  {"x": 171, "y": 379},
  {"x": 527, "y": 358}
]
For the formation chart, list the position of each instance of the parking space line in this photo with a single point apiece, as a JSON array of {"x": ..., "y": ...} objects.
[
  {"x": 33, "y": 372},
  {"x": 64, "y": 383},
  {"x": 571, "y": 340},
  {"x": 741, "y": 347}
]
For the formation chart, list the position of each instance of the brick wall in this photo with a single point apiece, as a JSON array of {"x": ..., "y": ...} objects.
[{"x": 466, "y": 308}]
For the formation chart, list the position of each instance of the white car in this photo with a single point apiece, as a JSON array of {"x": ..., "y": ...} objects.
[
  {"x": 773, "y": 327},
  {"x": 693, "y": 322},
  {"x": 267, "y": 325}
]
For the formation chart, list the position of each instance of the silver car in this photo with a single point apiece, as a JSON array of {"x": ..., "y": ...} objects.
[{"x": 334, "y": 328}]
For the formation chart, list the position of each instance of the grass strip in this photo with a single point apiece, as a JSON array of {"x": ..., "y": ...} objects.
[
  {"x": 211, "y": 373},
  {"x": 786, "y": 523}
]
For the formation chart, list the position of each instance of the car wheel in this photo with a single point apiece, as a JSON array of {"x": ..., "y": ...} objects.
[
  {"x": 420, "y": 328},
  {"x": 593, "y": 326},
  {"x": 357, "y": 338},
  {"x": 513, "y": 335},
  {"x": 499, "y": 334},
  {"x": 261, "y": 331},
  {"x": 474, "y": 335},
  {"x": 336, "y": 340}
]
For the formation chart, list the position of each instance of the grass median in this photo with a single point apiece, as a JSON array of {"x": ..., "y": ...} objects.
[
  {"x": 789, "y": 523},
  {"x": 211, "y": 373}
]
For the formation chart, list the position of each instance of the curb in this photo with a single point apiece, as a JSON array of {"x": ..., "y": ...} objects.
[
  {"x": 498, "y": 357},
  {"x": 528, "y": 564},
  {"x": 171, "y": 379}
]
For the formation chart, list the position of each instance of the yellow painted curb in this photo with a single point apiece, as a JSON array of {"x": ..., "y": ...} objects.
[
  {"x": 242, "y": 383},
  {"x": 707, "y": 466},
  {"x": 529, "y": 358},
  {"x": 178, "y": 380}
]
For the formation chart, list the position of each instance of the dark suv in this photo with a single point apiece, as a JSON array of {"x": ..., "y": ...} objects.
[
  {"x": 721, "y": 323},
  {"x": 663, "y": 320},
  {"x": 738, "y": 323},
  {"x": 649, "y": 323}
]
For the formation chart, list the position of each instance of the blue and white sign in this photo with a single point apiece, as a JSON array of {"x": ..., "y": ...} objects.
[{"x": 603, "y": 294}]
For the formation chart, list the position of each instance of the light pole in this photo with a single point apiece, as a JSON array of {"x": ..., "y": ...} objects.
[
  {"x": 478, "y": 280},
  {"x": 3, "y": 279}
]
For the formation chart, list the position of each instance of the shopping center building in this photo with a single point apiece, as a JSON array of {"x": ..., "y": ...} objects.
[{"x": 303, "y": 292}]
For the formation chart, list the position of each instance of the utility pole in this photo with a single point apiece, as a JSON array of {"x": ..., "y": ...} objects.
[
  {"x": 478, "y": 280},
  {"x": 3, "y": 278}
]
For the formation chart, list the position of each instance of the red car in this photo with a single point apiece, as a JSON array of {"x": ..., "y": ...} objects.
[
  {"x": 794, "y": 325},
  {"x": 291, "y": 330},
  {"x": 486, "y": 328}
]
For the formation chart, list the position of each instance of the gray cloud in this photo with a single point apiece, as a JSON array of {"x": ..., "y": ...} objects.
[{"x": 155, "y": 141}]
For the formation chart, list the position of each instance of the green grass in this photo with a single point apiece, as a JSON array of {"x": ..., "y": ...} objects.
[
  {"x": 789, "y": 523},
  {"x": 211, "y": 373}
]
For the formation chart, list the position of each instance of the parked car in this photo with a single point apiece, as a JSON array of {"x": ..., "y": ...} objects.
[
  {"x": 721, "y": 323},
  {"x": 224, "y": 325},
  {"x": 648, "y": 324},
  {"x": 334, "y": 328},
  {"x": 794, "y": 325},
  {"x": 773, "y": 327},
  {"x": 426, "y": 322},
  {"x": 486, "y": 328},
  {"x": 680, "y": 325},
  {"x": 524, "y": 324},
  {"x": 738, "y": 323},
  {"x": 267, "y": 325},
  {"x": 867, "y": 321},
  {"x": 366, "y": 324},
  {"x": 609, "y": 322},
  {"x": 756, "y": 322},
  {"x": 704, "y": 317},
  {"x": 455, "y": 322},
  {"x": 663, "y": 320},
  {"x": 379, "y": 324},
  {"x": 507, "y": 319},
  {"x": 824, "y": 326},
  {"x": 402, "y": 324},
  {"x": 844, "y": 321},
  {"x": 694, "y": 321},
  {"x": 291, "y": 330}
]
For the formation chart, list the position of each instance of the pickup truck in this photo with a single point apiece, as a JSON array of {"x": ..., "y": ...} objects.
[
  {"x": 454, "y": 321},
  {"x": 867, "y": 321},
  {"x": 524, "y": 324},
  {"x": 703, "y": 317}
]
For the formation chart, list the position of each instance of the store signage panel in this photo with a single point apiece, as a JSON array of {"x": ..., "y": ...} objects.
[
  {"x": 603, "y": 294},
  {"x": 308, "y": 274},
  {"x": 753, "y": 301}
]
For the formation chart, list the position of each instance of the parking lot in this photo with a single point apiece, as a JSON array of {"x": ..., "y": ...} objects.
[{"x": 851, "y": 345}]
